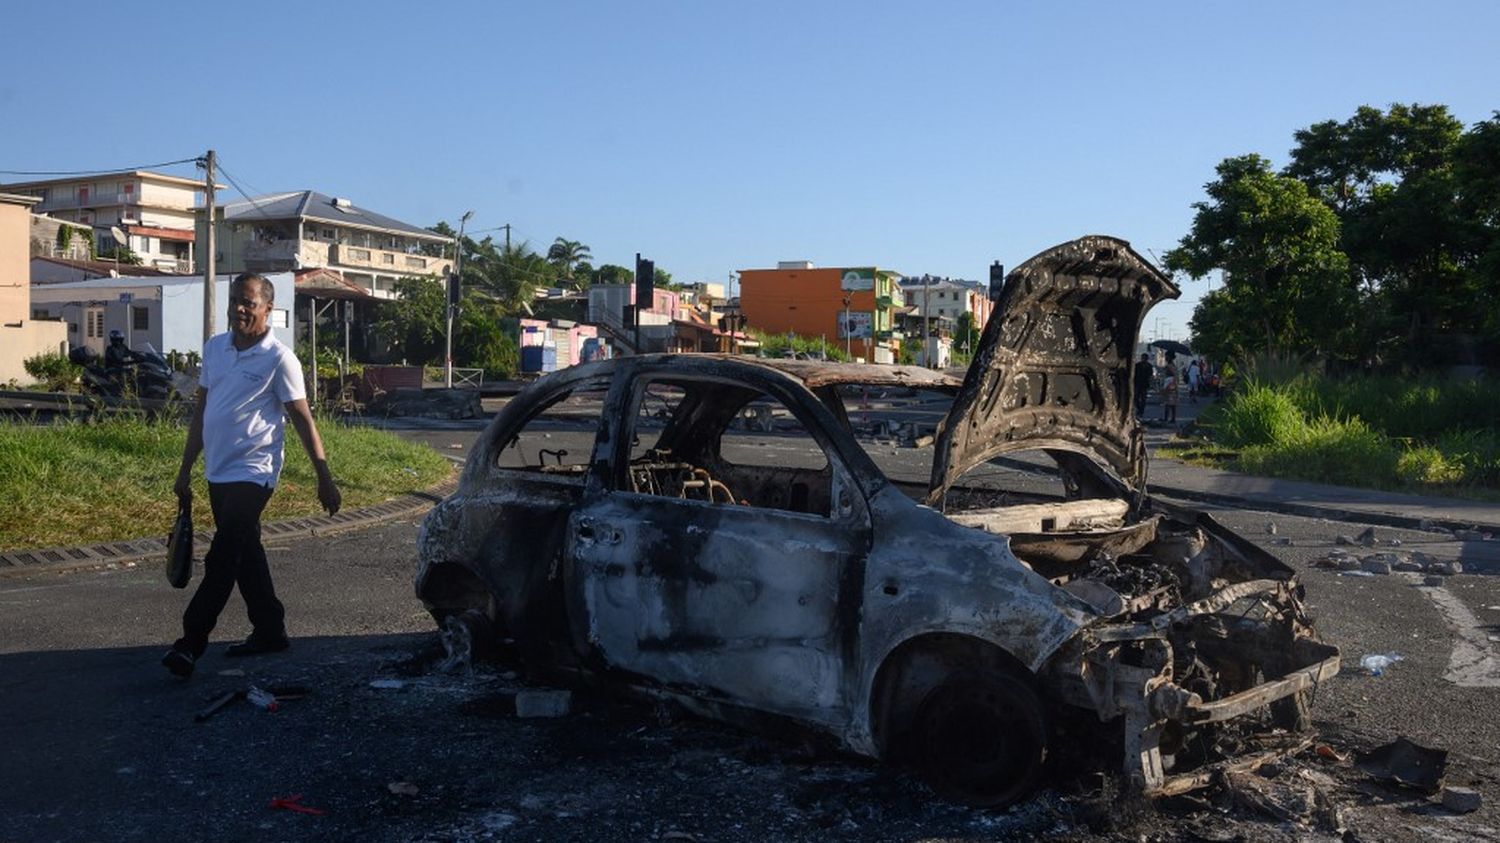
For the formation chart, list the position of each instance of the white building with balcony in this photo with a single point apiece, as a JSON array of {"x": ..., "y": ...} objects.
[
  {"x": 153, "y": 210},
  {"x": 305, "y": 229}
]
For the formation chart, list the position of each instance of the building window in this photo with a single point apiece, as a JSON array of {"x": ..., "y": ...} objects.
[
  {"x": 418, "y": 263},
  {"x": 327, "y": 234},
  {"x": 140, "y": 319},
  {"x": 95, "y": 324},
  {"x": 359, "y": 254},
  {"x": 388, "y": 259}
]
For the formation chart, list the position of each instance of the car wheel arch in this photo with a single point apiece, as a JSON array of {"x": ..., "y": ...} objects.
[
  {"x": 917, "y": 665},
  {"x": 449, "y": 588}
]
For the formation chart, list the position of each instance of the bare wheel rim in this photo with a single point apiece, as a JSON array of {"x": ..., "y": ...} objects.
[{"x": 983, "y": 739}]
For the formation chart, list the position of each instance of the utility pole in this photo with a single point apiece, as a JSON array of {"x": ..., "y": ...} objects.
[
  {"x": 208, "y": 247},
  {"x": 507, "y": 233},
  {"x": 926, "y": 279},
  {"x": 455, "y": 285},
  {"x": 848, "y": 329}
]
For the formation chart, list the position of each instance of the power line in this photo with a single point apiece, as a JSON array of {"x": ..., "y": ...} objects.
[
  {"x": 192, "y": 160},
  {"x": 253, "y": 203}
]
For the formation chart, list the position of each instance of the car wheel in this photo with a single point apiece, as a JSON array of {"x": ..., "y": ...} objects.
[{"x": 981, "y": 737}]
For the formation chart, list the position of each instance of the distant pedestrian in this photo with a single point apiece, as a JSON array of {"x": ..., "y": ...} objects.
[
  {"x": 1194, "y": 376},
  {"x": 1144, "y": 372},
  {"x": 1169, "y": 390},
  {"x": 251, "y": 385}
]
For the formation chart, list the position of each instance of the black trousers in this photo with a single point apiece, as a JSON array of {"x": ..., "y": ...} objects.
[{"x": 235, "y": 557}]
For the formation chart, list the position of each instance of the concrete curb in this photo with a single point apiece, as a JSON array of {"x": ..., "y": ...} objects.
[
  {"x": 60, "y": 559},
  {"x": 1286, "y": 507},
  {"x": 1311, "y": 510}
]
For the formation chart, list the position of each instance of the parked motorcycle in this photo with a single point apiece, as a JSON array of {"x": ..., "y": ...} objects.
[{"x": 143, "y": 374}]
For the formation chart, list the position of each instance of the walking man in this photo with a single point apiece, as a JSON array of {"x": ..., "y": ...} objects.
[
  {"x": 250, "y": 386},
  {"x": 1169, "y": 390},
  {"x": 1144, "y": 372}
]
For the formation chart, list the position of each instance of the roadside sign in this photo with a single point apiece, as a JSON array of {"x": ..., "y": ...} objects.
[{"x": 127, "y": 298}]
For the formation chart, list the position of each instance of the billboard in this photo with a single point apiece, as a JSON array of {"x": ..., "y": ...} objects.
[
  {"x": 854, "y": 325},
  {"x": 858, "y": 280}
]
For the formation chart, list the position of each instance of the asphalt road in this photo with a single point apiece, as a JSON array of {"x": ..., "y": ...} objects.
[{"x": 100, "y": 744}]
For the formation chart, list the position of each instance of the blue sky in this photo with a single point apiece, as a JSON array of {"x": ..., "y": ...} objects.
[{"x": 715, "y": 137}]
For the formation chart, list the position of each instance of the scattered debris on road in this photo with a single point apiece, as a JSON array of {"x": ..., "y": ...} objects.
[
  {"x": 543, "y": 703},
  {"x": 1462, "y": 800},
  {"x": 1406, "y": 763},
  {"x": 294, "y": 803},
  {"x": 1376, "y": 664}
]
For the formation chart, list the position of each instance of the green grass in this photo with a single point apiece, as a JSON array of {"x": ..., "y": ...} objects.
[
  {"x": 90, "y": 482},
  {"x": 1423, "y": 435}
]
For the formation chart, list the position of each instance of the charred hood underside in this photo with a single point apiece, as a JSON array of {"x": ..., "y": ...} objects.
[{"x": 1053, "y": 368}]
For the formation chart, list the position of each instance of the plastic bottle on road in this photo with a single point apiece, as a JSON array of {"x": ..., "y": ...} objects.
[
  {"x": 1376, "y": 663},
  {"x": 261, "y": 699}
]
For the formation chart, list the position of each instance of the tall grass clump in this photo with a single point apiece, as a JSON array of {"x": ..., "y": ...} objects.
[
  {"x": 1422, "y": 408},
  {"x": 1259, "y": 415},
  {"x": 1421, "y": 433},
  {"x": 1328, "y": 450}
]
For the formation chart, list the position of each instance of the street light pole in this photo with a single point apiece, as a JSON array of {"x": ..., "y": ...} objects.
[
  {"x": 848, "y": 329},
  {"x": 454, "y": 281}
]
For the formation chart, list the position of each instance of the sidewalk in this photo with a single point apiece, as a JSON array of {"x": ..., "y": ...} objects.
[{"x": 1173, "y": 478}]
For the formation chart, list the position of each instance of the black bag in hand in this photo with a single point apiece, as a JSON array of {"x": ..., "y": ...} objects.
[{"x": 180, "y": 546}]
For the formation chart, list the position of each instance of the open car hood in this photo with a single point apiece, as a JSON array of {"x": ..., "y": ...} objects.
[{"x": 1053, "y": 369}]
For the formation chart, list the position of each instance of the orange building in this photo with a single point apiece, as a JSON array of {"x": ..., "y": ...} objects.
[{"x": 850, "y": 306}]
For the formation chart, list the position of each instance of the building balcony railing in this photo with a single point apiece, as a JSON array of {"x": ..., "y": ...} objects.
[
  {"x": 385, "y": 260},
  {"x": 271, "y": 250},
  {"x": 181, "y": 266}
]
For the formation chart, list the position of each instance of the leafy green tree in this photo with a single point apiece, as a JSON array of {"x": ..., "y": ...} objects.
[
  {"x": 484, "y": 338},
  {"x": 1278, "y": 246},
  {"x": 1389, "y": 176},
  {"x": 1476, "y": 166},
  {"x": 415, "y": 322},
  {"x": 121, "y": 253},
  {"x": 613, "y": 274},
  {"x": 565, "y": 255},
  {"x": 966, "y": 337}
]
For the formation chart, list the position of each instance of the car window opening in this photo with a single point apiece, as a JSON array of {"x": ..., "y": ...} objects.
[{"x": 725, "y": 444}]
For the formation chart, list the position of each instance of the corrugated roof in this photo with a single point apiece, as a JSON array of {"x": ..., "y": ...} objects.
[{"x": 312, "y": 205}]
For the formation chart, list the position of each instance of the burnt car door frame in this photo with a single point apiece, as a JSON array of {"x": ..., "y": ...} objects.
[{"x": 720, "y": 599}]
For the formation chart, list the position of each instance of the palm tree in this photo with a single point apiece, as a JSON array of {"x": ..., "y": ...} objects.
[{"x": 566, "y": 254}]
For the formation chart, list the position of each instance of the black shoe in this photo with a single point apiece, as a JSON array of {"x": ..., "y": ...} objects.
[
  {"x": 255, "y": 646},
  {"x": 179, "y": 662}
]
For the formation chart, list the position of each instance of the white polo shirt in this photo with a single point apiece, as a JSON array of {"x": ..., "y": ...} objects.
[{"x": 244, "y": 422}]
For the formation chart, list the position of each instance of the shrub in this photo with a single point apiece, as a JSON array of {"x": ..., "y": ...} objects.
[
  {"x": 1428, "y": 465},
  {"x": 1328, "y": 450},
  {"x": 1270, "y": 368},
  {"x": 1258, "y": 415},
  {"x": 1477, "y": 452},
  {"x": 53, "y": 370}
]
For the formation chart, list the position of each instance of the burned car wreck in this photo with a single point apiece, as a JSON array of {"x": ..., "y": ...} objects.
[{"x": 710, "y": 529}]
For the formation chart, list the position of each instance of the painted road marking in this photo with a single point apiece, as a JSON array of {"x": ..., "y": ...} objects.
[{"x": 1473, "y": 663}]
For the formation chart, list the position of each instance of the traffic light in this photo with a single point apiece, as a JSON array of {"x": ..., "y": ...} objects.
[
  {"x": 997, "y": 280},
  {"x": 645, "y": 282}
]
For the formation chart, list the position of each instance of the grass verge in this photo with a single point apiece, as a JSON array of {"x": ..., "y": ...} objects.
[
  {"x": 1424, "y": 436},
  {"x": 91, "y": 482}
]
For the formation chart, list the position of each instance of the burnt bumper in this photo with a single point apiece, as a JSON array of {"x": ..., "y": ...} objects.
[{"x": 1247, "y": 648}]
